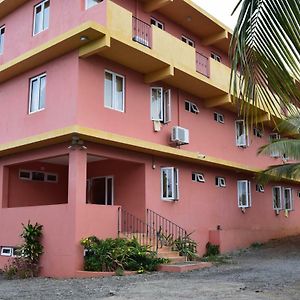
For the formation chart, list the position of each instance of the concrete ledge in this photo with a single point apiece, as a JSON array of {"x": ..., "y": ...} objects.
[
  {"x": 88, "y": 274},
  {"x": 180, "y": 268}
]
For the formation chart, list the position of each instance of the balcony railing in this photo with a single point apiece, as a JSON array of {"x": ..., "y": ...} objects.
[
  {"x": 141, "y": 32},
  {"x": 202, "y": 64}
]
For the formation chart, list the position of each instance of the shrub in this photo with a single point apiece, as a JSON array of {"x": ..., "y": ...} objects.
[
  {"x": 26, "y": 264},
  {"x": 118, "y": 254},
  {"x": 212, "y": 250}
]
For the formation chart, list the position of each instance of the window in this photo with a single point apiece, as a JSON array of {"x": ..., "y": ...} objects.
[
  {"x": 188, "y": 41},
  {"x": 277, "y": 201},
  {"x": 114, "y": 91},
  {"x": 260, "y": 188},
  {"x": 257, "y": 132},
  {"x": 215, "y": 56},
  {"x": 287, "y": 199},
  {"x": 191, "y": 107},
  {"x": 6, "y": 251},
  {"x": 198, "y": 177},
  {"x": 37, "y": 93},
  {"x": 41, "y": 17},
  {"x": 241, "y": 133},
  {"x": 2, "y": 31},
  {"x": 101, "y": 191},
  {"x": 244, "y": 193},
  {"x": 160, "y": 104},
  {"x": 91, "y": 3},
  {"x": 169, "y": 184},
  {"x": 220, "y": 182},
  {"x": 157, "y": 23},
  {"x": 274, "y": 137},
  {"x": 219, "y": 117},
  {"x": 38, "y": 176}
]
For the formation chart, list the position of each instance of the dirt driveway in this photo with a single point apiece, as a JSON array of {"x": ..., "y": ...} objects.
[{"x": 270, "y": 272}]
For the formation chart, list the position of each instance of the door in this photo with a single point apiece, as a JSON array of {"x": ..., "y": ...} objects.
[{"x": 101, "y": 191}]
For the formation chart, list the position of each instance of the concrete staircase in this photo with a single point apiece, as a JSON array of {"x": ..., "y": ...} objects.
[{"x": 173, "y": 256}]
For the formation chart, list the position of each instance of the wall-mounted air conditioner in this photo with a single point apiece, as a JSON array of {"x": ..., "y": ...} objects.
[{"x": 180, "y": 135}]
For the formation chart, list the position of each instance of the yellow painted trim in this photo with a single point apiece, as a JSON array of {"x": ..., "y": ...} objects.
[
  {"x": 218, "y": 101},
  {"x": 215, "y": 38},
  {"x": 120, "y": 141},
  {"x": 56, "y": 47},
  {"x": 159, "y": 75},
  {"x": 95, "y": 47},
  {"x": 153, "y": 5}
]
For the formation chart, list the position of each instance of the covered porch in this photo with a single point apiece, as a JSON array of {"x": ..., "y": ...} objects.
[{"x": 73, "y": 193}]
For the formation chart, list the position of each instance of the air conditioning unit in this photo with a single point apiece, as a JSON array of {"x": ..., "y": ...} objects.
[{"x": 180, "y": 135}]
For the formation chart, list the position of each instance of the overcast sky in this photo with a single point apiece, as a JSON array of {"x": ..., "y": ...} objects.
[{"x": 220, "y": 9}]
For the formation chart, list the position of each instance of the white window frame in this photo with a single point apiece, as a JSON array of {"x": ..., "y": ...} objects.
[
  {"x": 25, "y": 171},
  {"x": 198, "y": 177},
  {"x": 258, "y": 132},
  {"x": 216, "y": 56},
  {"x": 248, "y": 193},
  {"x": 106, "y": 189},
  {"x": 45, "y": 176},
  {"x": 272, "y": 138},
  {"x": 2, "y": 37},
  {"x": 188, "y": 41},
  {"x": 280, "y": 197},
  {"x": 241, "y": 140},
  {"x": 114, "y": 91},
  {"x": 51, "y": 174},
  {"x": 220, "y": 182},
  {"x": 42, "y": 5},
  {"x": 285, "y": 199},
  {"x": 174, "y": 184},
  {"x": 89, "y": 4},
  {"x": 38, "y": 78},
  {"x": 11, "y": 250},
  {"x": 192, "y": 107},
  {"x": 155, "y": 22},
  {"x": 219, "y": 118},
  {"x": 163, "y": 104}
]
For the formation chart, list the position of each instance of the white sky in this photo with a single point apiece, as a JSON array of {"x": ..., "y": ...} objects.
[{"x": 220, "y": 9}]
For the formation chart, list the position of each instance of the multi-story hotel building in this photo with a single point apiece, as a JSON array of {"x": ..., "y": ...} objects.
[{"x": 126, "y": 104}]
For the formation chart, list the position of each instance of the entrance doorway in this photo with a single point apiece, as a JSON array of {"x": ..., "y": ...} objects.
[{"x": 100, "y": 190}]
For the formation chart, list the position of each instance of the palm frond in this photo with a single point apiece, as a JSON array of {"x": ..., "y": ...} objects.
[
  {"x": 285, "y": 147},
  {"x": 276, "y": 173},
  {"x": 265, "y": 56},
  {"x": 291, "y": 125}
]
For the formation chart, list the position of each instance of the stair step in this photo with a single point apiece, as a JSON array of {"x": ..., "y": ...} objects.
[
  {"x": 185, "y": 267},
  {"x": 168, "y": 254},
  {"x": 176, "y": 259}
]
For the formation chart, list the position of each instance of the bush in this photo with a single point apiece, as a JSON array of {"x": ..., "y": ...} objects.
[
  {"x": 212, "y": 250},
  {"x": 118, "y": 254},
  {"x": 26, "y": 264}
]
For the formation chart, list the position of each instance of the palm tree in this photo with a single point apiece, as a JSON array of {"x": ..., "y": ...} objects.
[
  {"x": 265, "y": 73},
  {"x": 265, "y": 56},
  {"x": 288, "y": 149}
]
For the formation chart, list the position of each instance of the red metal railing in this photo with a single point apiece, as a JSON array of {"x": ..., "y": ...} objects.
[
  {"x": 202, "y": 64},
  {"x": 141, "y": 32}
]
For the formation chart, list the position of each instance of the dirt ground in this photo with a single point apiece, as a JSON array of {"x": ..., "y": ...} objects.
[{"x": 268, "y": 272}]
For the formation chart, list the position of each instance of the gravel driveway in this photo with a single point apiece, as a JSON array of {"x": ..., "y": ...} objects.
[{"x": 270, "y": 272}]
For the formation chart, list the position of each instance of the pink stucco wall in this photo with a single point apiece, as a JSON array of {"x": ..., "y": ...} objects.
[
  {"x": 34, "y": 193},
  {"x": 64, "y": 15}
]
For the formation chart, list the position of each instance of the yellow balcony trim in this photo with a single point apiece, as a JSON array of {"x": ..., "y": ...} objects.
[
  {"x": 159, "y": 75},
  {"x": 120, "y": 141},
  {"x": 52, "y": 49},
  {"x": 95, "y": 47},
  {"x": 211, "y": 40},
  {"x": 153, "y": 5},
  {"x": 218, "y": 101}
]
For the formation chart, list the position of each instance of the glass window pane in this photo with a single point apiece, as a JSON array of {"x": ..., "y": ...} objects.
[
  {"x": 38, "y": 19},
  {"x": 109, "y": 192},
  {"x": 156, "y": 103},
  {"x": 46, "y": 15},
  {"x": 34, "y": 97},
  {"x": 42, "y": 92},
  {"x": 242, "y": 193},
  {"x": 108, "y": 90},
  {"x": 119, "y": 93},
  {"x": 2, "y": 30}
]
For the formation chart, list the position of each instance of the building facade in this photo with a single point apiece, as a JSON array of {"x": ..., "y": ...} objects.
[{"x": 109, "y": 105}]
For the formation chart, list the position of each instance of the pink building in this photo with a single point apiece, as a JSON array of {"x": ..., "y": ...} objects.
[{"x": 113, "y": 111}]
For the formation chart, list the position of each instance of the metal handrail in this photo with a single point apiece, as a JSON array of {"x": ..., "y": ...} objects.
[{"x": 141, "y": 32}]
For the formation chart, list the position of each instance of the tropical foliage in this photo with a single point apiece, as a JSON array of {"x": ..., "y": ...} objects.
[{"x": 265, "y": 57}]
